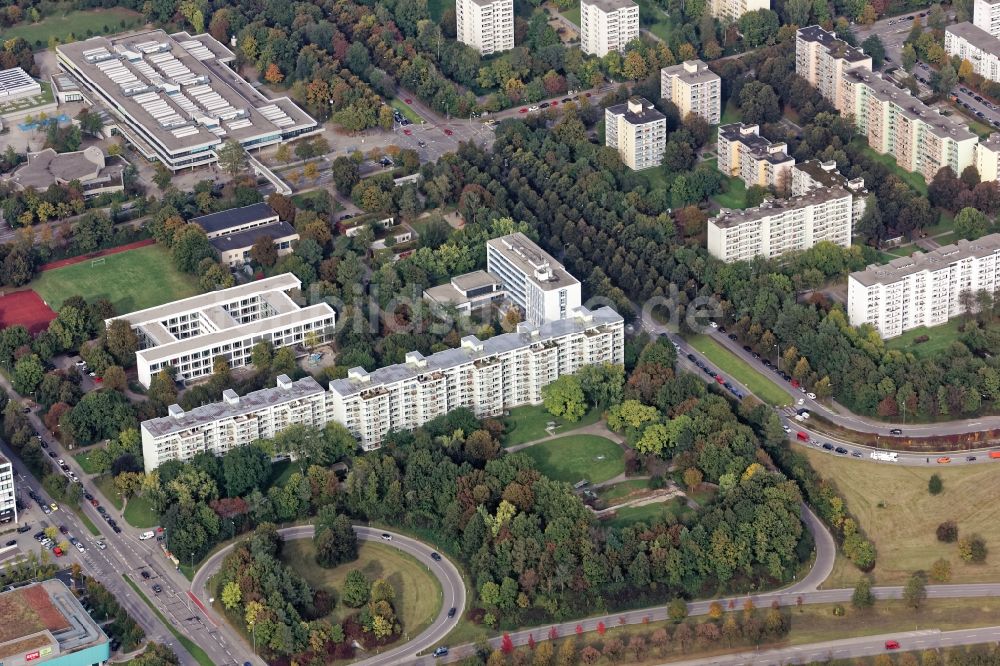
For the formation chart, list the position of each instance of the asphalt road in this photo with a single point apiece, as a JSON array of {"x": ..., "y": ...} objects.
[{"x": 452, "y": 587}]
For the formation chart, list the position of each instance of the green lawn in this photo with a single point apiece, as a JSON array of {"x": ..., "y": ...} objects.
[
  {"x": 620, "y": 490},
  {"x": 106, "y": 484},
  {"x": 735, "y": 195},
  {"x": 654, "y": 19},
  {"x": 418, "y": 593},
  {"x": 648, "y": 513},
  {"x": 946, "y": 222},
  {"x": 731, "y": 114},
  {"x": 83, "y": 459},
  {"x": 526, "y": 424},
  {"x": 656, "y": 177},
  {"x": 914, "y": 179},
  {"x": 199, "y": 655},
  {"x": 940, "y": 338},
  {"x": 573, "y": 15},
  {"x": 407, "y": 111},
  {"x": 131, "y": 280},
  {"x": 436, "y": 8},
  {"x": 77, "y": 23},
  {"x": 760, "y": 385},
  {"x": 577, "y": 457},
  {"x": 281, "y": 472},
  {"x": 139, "y": 513}
]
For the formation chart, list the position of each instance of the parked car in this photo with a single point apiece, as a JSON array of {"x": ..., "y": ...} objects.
[
  {"x": 386, "y": 536},
  {"x": 892, "y": 645},
  {"x": 157, "y": 589},
  {"x": 12, "y": 542},
  {"x": 943, "y": 460},
  {"x": 441, "y": 651},
  {"x": 144, "y": 574}
]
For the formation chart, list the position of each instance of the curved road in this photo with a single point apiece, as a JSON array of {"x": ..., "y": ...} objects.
[{"x": 452, "y": 587}]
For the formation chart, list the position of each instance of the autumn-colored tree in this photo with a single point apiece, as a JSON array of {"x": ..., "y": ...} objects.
[
  {"x": 273, "y": 74},
  {"x": 715, "y": 610},
  {"x": 506, "y": 644}
]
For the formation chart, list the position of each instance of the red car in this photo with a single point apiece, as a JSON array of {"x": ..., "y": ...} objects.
[
  {"x": 720, "y": 379},
  {"x": 554, "y": 103},
  {"x": 408, "y": 100},
  {"x": 524, "y": 109},
  {"x": 892, "y": 645},
  {"x": 408, "y": 132},
  {"x": 448, "y": 132}
]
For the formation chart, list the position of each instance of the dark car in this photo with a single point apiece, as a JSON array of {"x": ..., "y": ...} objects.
[
  {"x": 116, "y": 529},
  {"x": 63, "y": 530},
  {"x": 895, "y": 431},
  {"x": 88, "y": 496},
  {"x": 708, "y": 371},
  {"x": 451, "y": 612},
  {"x": 44, "y": 445},
  {"x": 12, "y": 542},
  {"x": 970, "y": 458},
  {"x": 691, "y": 357},
  {"x": 441, "y": 651},
  {"x": 435, "y": 557},
  {"x": 841, "y": 450},
  {"x": 52, "y": 454},
  {"x": 722, "y": 329},
  {"x": 856, "y": 454},
  {"x": 157, "y": 589},
  {"x": 144, "y": 574},
  {"x": 543, "y": 105},
  {"x": 23, "y": 528},
  {"x": 101, "y": 510},
  {"x": 766, "y": 362},
  {"x": 732, "y": 336},
  {"x": 747, "y": 349},
  {"x": 828, "y": 446},
  {"x": 755, "y": 355}
]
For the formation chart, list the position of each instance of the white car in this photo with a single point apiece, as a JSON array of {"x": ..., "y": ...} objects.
[
  {"x": 102, "y": 545},
  {"x": 533, "y": 107},
  {"x": 801, "y": 401},
  {"x": 786, "y": 428},
  {"x": 61, "y": 461},
  {"x": 713, "y": 324},
  {"x": 811, "y": 395},
  {"x": 79, "y": 547},
  {"x": 146, "y": 535}
]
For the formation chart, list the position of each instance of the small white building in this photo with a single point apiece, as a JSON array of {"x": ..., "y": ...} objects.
[{"x": 8, "y": 496}]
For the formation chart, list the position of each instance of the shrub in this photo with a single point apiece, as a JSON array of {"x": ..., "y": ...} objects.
[
  {"x": 934, "y": 485},
  {"x": 921, "y": 338},
  {"x": 947, "y": 531},
  {"x": 972, "y": 549},
  {"x": 838, "y": 610}
]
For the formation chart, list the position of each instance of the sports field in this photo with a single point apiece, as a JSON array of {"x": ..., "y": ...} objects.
[
  {"x": 27, "y": 309},
  {"x": 577, "y": 457},
  {"x": 81, "y": 24},
  {"x": 131, "y": 280}
]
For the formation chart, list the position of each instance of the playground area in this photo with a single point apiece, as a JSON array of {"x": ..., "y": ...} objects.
[
  {"x": 25, "y": 308},
  {"x": 43, "y": 123}
]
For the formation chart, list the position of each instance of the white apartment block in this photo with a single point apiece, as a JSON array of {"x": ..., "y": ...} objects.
[
  {"x": 986, "y": 16},
  {"x": 922, "y": 289},
  {"x": 189, "y": 334},
  {"x": 745, "y": 154},
  {"x": 822, "y": 59},
  {"x": 988, "y": 158},
  {"x": 234, "y": 422},
  {"x": 813, "y": 175},
  {"x": 897, "y": 123},
  {"x": 485, "y": 25},
  {"x": 693, "y": 88},
  {"x": 607, "y": 25},
  {"x": 486, "y": 376},
  {"x": 8, "y": 496},
  {"x": 783, "y": 225},
  {"x": 532, "y": 279},
  {"x": 637, "y": 131},
  {"x": 980, "y": 48},
  {"x": 732, "y": 10}
]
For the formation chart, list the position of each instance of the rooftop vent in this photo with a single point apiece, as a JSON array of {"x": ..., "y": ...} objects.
[
  {"x": 175, "y": 411},
  {"x": 230, "y": 397},
  {"x": 284, "y": 382}
]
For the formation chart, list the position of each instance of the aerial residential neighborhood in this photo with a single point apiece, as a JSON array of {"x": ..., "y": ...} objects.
[{"x": 496, "y": 332}]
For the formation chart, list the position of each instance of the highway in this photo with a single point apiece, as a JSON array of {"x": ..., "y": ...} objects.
[{"x": 452, "y": 587}]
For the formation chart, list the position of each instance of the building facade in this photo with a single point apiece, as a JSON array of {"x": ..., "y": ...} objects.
[
  {"x": 972, "y": 43},
  {"x": 485, "y": 25},
  {"x": 822, "y": 59},
  {"x": 607, "y": 25},
  {"x": 538, "y": 284},
  {"x": 988, "y": 158},
  {"x": 236, "y": 421},
  {"x": 986, "y": 16},
  {"x": 782, "y": 225},
  {"x": 8, "y": 494},
  {"x": 486, "y": 376},
  {"x": 732, "y": 10},
  {"x": 923, "y": 289},
  {"x": 189, "y": 334},
  {"x": 814, "y": 175},
  {"x": 637, "y": 131},
  {"x": 693, "y": 88},
  {"x": 745, "y": 154}
]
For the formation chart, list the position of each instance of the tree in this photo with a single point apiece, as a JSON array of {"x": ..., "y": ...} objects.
[
  {"x": 283, "y": 154},
  {"x": 944, "y": 79},
  {"x": 873, "y": 46},
  {"x": 677, "y": 610},
  {"x": 863, "y": 596},
  {"x": 759, "y": 27},
  {"x": 941, "y": 570},
  {"x": 190, "y": 247},
  {"x": 759, "y": 103},
  {"x": 231, "y": 595},
  {"x": 121, "y": 342},
  {"x": 947, "y": 531},
  {"x": 273, "y": 74},
  {"x": 28, "y": 373},
  {"x": 972, "y": 549},
  {"x": 564, "y": 397},
  {"x": 915, "y": 591},
  {"x": 971, "y": 223},
  {"x": 934, "y": 485},
  {"x": 264, "y": 251},
  {"x": 357, "y": 589},
  {"x": 114, "y": 378},
  {"x": 232, "y": 158},
  {"x": 245, "y": 468},
  {"x": 909, "y": 57},
  {"x": 345, "y": 175},
  {"x": 335, "y": 539}
]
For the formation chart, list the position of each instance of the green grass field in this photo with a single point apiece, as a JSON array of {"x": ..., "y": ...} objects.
[
  {"x": 526, "y": 424},
  {"x": 735, "y": 195},
  {"x": 407, "y": 111},
  {"x": 577, "y": 457},
  {"x": 418, "y": 593},
  {"x": 648, "y": 513},
  {"x": 760, "y": 385},
  {"x": 897, "y": 513},
  {"x": 915, "y": 180},
  {"x": 573, "y": 15},
  {"x": 131, "y": 280},
  {"x": 139, "y": 513},
  {"x": 731, "y": 113},
  {"x": 83, "y": 459},
  {"x": 77, "y": 23},
  {"x": 654, "y": 19},
  {"x": 106, "y": 484},
  {"x": 941, "y": 338},
  {"x": 620, "y": 490}
]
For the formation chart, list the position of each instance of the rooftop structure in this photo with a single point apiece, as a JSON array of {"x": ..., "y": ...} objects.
[
  {"x": 44, "y": 623},
  {"x": 15, "y": 83},
  {"x": 188, "y": 334},
  {"x": 533, "y": 280},
  {"x": 234, "y": 247},
  {"x": 693, "y": 88},
  {"x": 88, "y": 166},
  {"x": 176, "y": 98},
  {"x": 467, "y": 292}
]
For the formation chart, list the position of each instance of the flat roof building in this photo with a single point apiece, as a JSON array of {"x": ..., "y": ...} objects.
[
  {"x": 745, "y": 154},
  {"x": 637, "y": 131},
  {"x": 782, "y": 225},
  {"x": 822, "y": 59},
  {"x": 485, "y": 25},
  {"x": 88, "y": 166},
  {"x": 988, "y": 158},
  {"x": 693, "y": 88},
  {"x": 236, "y": 219},
  {"x": 15, "y": 83},
  {"x": 468, "y": 292},
  {"x": 813, "y": 175},
  {"x": 176, "y": 99},
  {"x": 8, "y": 494},
  {"x": 486, "y": 376},
  {"x": 607, "y": 25},
  {"x": 236, "y": 421},
  {"x": 923, "y": 289},
  {"x": 986, "y": 16},
  {"x": 44, "y": 623},
  {"x": 189, "y": 334},
  {"x": 234, "y": 248},
  {"x": 974, "y": 44},
  {"x": 532, "y": 279}
]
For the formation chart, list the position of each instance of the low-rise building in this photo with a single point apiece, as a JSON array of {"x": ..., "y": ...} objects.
[
  {"x": 235, "y": 220},
  {"x": 813, "y": 175},
  {"x": 782, "y": 225},
  {"x": 236, "y": 421},
  {"x": 469, "y": 292},
  {"x": 234, "y": 248},
  {"x": 637, "y": 131},
  {"x": 822, "y": 59},
  {"x": 607, "y": 25},
  {"x": 8, "y": 494},
  {"x": 44, "y": 623},
  {"x": 693, "y": 88},
  {"x": 538, "y": 284},
  {"x": 189, "y": 334},
  {"x": 486, "y": 376},
  {"x": 923, "y": 289},
  {"x": 745, "y": 154},
  {"x": 974, "y": 44},
  {"x": 88, "y": 167},
  {"x": 485, "y": 25},
  {"x": 15, "y": 83}
]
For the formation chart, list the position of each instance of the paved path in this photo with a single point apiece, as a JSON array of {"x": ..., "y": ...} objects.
[
  {"x": 452, "y": 587},
  {"x": 600, "y": 429}
]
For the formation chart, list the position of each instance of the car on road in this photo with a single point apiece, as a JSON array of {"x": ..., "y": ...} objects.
[
  {"x": 533, "y": 108},
  {"x": 448, "y": 132},
  {"x": 408, "y": 100},
  {"x": 566, "y": 99},
  {"x": 408, "y": 132},
  {"x": 57, "y": 551},
  {"x": 52, "y": 454},
  {"x": 144, "y": 574},
  {"x": 157, "y": 589},
  {"x": 60, "y": 462},
  {"x": 435, "y": 557},
  {"x": 101, "y": 510},
  {"x": 747, "y": 349},
  {"x": 88, "y": 496},
  {"x": 811, "y": 395},
  {"x": 441, "y": 651},
  {"x": 970, "y": 458},
  {"x": 452, "y": 611},
  {"x": 44, "y": 445},
  {"x": 691, "y": 357},
  {"x": 386, "y": 536},
  {"x": 713, "y": 324},
  {"x": 892, "y": 645},
  {"x": 720, "y": 379},
  {"x": 149, "y": 534},
  {"x": 54, "y": 506},
  {"x": 523, "y": 109},
  {"x": 828, "y": 446},
  {"x": 841, "y": 450},
  {"x": 46, "y": 510},
  {"x": 79, "y": 547},
  {"x": 63, "y": 530},
  {"x": 421, "y": 143},
  {"x": 12, "y": 542},
  {"x": 856, "y": 453},
  {"x": 543, "y": 105},
  {"x": 101, "y": 545},
  {"x": 94, "y": 502},
  {"x": 116, "y": 529},
  {"x": 896, "y": 431},
  {"x": 786, "y": 428},
  {"x": 23, "y": 528},
  {"x": 943, "y": 460}
]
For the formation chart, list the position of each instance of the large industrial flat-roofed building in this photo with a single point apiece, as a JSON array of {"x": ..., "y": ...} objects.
[
  {"x": 175, "y": 97},
  {"x": 188, "y": 334}
]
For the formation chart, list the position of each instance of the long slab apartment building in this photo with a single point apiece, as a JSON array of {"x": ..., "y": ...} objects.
[
  {"x": 175, "y": 97},
  {"x": 8, "y": 495},
  {"x": 978, "y": 41},
  {"x": 486, "y": 376},
  {"x": 188, "y": 334},
  {"x": 922, "y": 289}
]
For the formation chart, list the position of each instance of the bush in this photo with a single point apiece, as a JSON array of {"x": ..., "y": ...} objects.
[
  {"x": 947, "y": 531},
  {"x": 921, "y": 338},
  {"x": 934, "y": 485},
  {"x": 838, "y": 610},
  {"x": 972, "y": 549}
]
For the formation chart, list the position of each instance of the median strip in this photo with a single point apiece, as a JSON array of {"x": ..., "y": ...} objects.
[{"x": 199, "y": 655}]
